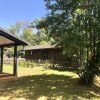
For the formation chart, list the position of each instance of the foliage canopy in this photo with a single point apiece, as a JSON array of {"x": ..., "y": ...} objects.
[{"x": 75, "y": 25}]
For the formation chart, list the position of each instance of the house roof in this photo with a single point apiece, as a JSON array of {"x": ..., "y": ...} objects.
[
  {"x": 7, "y": 39},
  {"x": 37, "y": 47}
]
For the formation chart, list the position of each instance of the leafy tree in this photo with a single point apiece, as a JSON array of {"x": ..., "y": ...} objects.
[
  {"x": 41, "y": 37},
  {"x": 18, "y": 27},
  {"x": 12, "y": 29},
  {"x": 9, "y": 52},
  {"x": 28, "y": 36},
  {"x": 75, "y": 25}
]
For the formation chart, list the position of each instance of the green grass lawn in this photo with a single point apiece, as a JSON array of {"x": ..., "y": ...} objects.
[{"x": 40, "y": 84}]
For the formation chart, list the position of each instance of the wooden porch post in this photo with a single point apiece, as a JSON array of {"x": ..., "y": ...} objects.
[
  {"x": 1, "y": 67},
  {"x": 15, "y": 61}
]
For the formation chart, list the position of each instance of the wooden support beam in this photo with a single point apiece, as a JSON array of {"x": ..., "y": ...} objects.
[
  {"x": 1, "y": 67},
  {"x": 15, "y": 61}
]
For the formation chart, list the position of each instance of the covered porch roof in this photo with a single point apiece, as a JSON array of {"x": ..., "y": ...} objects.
[{"x": 8, "y": 39}]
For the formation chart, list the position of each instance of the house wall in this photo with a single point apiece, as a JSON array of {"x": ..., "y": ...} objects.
[{"x": 44, "y": 54}]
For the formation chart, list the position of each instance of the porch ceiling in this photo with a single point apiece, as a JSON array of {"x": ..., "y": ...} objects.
[{"x": 5, "y": 41}]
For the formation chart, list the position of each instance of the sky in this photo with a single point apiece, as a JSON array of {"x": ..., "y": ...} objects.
[{"x": 12, "y": 11}]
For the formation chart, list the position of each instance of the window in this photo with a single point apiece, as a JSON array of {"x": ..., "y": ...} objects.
[
  {"x": 30, "y": 52},
  {"x": 45, "y": 54}
]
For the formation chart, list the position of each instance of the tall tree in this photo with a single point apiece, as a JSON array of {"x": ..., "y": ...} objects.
[
  {"x": 28, "y": 36},
  {"x": 41, "y": 37},
  {"x": 18, "y": 27},
  {"x": 75, "y": 24},
  {"x": 17, "y": 30}
]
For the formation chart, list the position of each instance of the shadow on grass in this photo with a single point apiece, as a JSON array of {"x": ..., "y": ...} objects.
[
  {"x": 61, "y": 68},
  {"x": 49, "y": 86}
]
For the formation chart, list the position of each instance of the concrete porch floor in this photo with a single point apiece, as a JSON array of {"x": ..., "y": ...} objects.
[{"x": 6, "y": 76}]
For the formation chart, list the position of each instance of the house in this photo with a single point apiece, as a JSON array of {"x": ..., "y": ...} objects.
[
  {"x": 44, "y": 52},
  {"x": 49, "y": 52}
]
